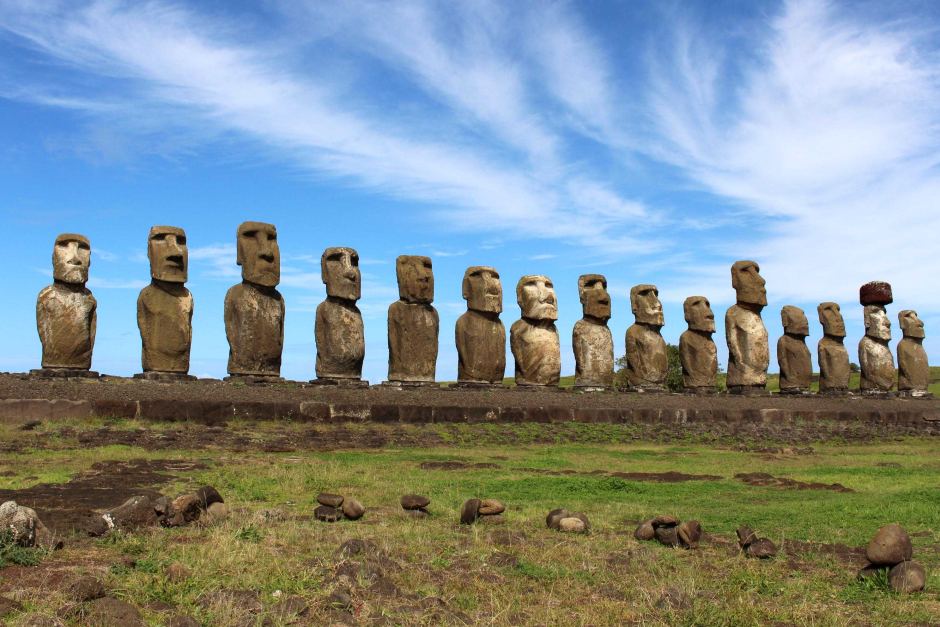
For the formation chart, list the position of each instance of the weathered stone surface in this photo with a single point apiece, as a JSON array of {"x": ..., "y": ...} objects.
[
  {"x": 591, "y": 339},
  {"x": 66, "y": 311},
  {"x": 746, "y": 536},
  {"x": 534, "y": 338},
  {"x": 875, "y": 293},
  {"x": 208, "y": 495},
  {"x": 762, "y": 548},
  {"x": 571, "y": 525},
  {"x": 796, "y": 365},
  {"x": 183, "y": 510},
  {"x": 340, "y": 334},
  {"x": 697, "y": 350},
  {"x": 470, "y": 511},
  {"x": 665, "y": 520},
  {"x": 834, "y": 369},
  {"x": 215, "y": 513},
  {"x": 748, "y": 350},
  {"x": 891, "y": 545},
  {"x": 353, "y": 509},
  {"x": 554, "y": 516},
  {"x": 647, "y": 362},
  {"x": 874, "y": 356},
  {"x": 414, "y": 501},
  {"x": 254, "y": 309},
  {"x": 907, "y": 577},
  {"x": 491, "y": 507},
  {"x": 479, "y": 333},
  {"x": 913, "y": 369},
  {"x": 645, "y": 531},
  {"x": 137, "y": 511},
  {"x": 331, "y": 500},
  {"x": 668, "y": 536},
  {"x": 26, "y": 527},
  {"x": 690, "y": 532},
  {"x": 325, "y": 513},
  {"x": 413, "y": 324}
]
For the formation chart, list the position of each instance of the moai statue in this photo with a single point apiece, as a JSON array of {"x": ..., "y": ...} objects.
[
  {"x": 697, "y": 350},
  {"x": 834, "y": 370},
  {"x": 748, "y": 349},
  {"x": 479, "y": 333},
  {"x": 796, "y": 365},
  {"x": 254, "y": 309},
  {"x": 591, "y": 340},
  {"x": 341, "y": 340},
  {"x": 413, "y": 324},
  {"x": 647, "y": 360},
  {"x": 913, "y": 369},
  {"x": 165, "y": 307},
  {"x": 534, "y": 338},
  {"x": 874, "y": 356},
  {"x": 66, "y": 312}
]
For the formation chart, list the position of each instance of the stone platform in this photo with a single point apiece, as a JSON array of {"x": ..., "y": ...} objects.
[{"x": 23, "y": 398}]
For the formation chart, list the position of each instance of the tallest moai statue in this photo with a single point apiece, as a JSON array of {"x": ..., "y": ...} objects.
[
  {"x": 874, "y": 356},
  {"x": 748, "y": 349}
]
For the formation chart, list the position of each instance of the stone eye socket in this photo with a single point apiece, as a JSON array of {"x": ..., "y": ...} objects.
[
  {"x": 249, "y": 234},
  {"x": 159, "y": 237},
  {"x": 181, "y": 240}
]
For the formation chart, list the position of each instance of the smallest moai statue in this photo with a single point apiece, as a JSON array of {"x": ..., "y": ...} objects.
[
  {"x": 66, "y": 312},
  {"x": 697, "y": 350},
  {"x": 534, "y": 338},
  {"x": 647, "y": 360},
  {"x": 874, "y": 356},
  {"x": 413, "y": 324},
  {"x": 834, "y": 368},
  {"x": 796, "y": 365},
  {"x": 913, "y": 369},
  {"x": 340, "y": 333},
  {"x": 591, "y": 339}
]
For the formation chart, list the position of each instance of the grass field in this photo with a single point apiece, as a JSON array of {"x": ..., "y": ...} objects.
[{"x": 434, "y": 571}]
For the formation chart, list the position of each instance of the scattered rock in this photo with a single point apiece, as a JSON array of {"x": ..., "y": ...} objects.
[
  {"x": 325, "y": 513},
  {"x": 111, "y": 612},
  {"x": 86, "y": 588},
  {"x": 665, "y": 521},
  {"x": 690, "y": 532},
  {"x": 746, "y": 536},
  {"x": 762, "y": 548},
  {"x": 470, "y": 511},
  {"x": 137, "y": 511},
  {"x": 583, "y": 518},
  {"x": 645, "y": 531},
  {"x": 96, "y": 525},
  {"x": 25, "y": 526},
  {"x": 907, "y": 577},
  {"x": 891, "y": 545},
  {"x": 29, "y": 426},
  {"x": 555, "y": 516},
  {"x": 572, "y": 525},
  {"x": 353, "y": 509},
  {"x": 417, "y": 513},
  {"x": 493, "y": 519},
  {"x": 414, "y": 501},
  {"x": 217, "y": 512},
  {"x": 207, "y": 495},
  {"x": 330, "y": 500},
  {"x": 9, "y": 606},
  {"x": 177, "y": 572},
  {"x": 183, "y": 510},
  {"x": 667, "y": 535},
  {"x": 491, "y": 507}
]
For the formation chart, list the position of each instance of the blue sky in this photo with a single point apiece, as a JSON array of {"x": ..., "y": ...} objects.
[{"x": 651, "y": 142}]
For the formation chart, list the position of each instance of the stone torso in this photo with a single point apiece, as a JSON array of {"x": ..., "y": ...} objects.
[
  {"x": 699, "y": 357},
  {"x": 165, "y": 323},
  {"x": 647, "y": 362},
  {"x": 341, "y": 340},
  {"x": 748, "y": 349},
  {"x": 536, "y": 351},
  {"x": 481, "y": 348},
  {"x": 593, "y": 347},
  {"x": 834, "y": 370},
  {"x": 412, "y": 341},
  {"x": 877, "y": 365},
  {"x": 913, "y": 369},
  {"x": 796, "y": 365},
  {"x": 254, "y": 326},
  {"x": 66, "y": 322}
]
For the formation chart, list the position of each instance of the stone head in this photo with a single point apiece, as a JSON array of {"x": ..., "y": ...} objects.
[
  {"x": 415, "y": 279},
  {"x": 168, "y": 254},
  {"x": 258, "y": 253},
  {"x": 748, "y": 283},
  {"x": 830, "y": 317},
  {"x": 698, "y": 313},
  {"x": 644, "y": 302},
  {"x": 482, "y": 289},
  {"x": 71, "y": 258},
  {"x": 794, "y": 321},
  {"x": 535, "y": 294},
  {"x": 911, "y": 325},
  {"x": 595, "y": 301},
  {"x": 339, "y": 268},
  {"x": 877, "y": 325}
]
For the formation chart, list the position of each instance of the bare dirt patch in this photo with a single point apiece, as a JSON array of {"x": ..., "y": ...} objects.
[
  {"x": 766, "y": 480},
  {"x": 456, "y": 465}
]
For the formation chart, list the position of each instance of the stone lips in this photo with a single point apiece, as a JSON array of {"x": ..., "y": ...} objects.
[{"x": 875, "y": 293}]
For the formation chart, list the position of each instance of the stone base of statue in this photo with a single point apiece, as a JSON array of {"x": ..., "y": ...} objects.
[
  {"x": 704, "y": 390},
  {"x": 920, "y": 394},
  {"x": 537, "y": 387},
  {"x": 254, "y": 379},
  {"x": 748, "y": 390},
  {"x": 164, "y": 377},
  {"x": 63, "y": 373},
  {"x": 476, "y": 385},
  {"x": 874, "y": 393},
  {"x": 794, "y": 392},
  {"x": 408, "y": 385},
  {"x": 591, "y": 387},
  {"x": 649, "y": 389},
  {"x": 835, "y": 392},
  {"x": 340, "y": 382}
]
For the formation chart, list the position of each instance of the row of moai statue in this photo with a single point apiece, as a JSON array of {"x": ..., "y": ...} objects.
[{"x": 254, "y": 326}]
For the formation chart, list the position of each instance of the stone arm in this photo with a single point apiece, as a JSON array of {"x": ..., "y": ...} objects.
[
  {"x": 783, "y": 357},
  {"x": 232, "y": 323},
  {"x": 93, "y": 326},
  {"x": 42, "y": 316},
  {"x": 731, "y": 336},
  {"x": 825, "y": 360}
]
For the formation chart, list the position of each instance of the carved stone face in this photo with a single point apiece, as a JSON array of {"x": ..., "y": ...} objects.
[
  {"x": 168, "y": 254},
  {"x": 748, "y": 283},
  {"x": 258, "y": 253},
  {"x": 71, "y": 258},
  {"x": 482, "y": 289},
  {"x": 535, "y": 294},
  {"x": 794, "y": 321},
  {"x": 830, "y": 317},
  {"x": 644, "y": 302},
  {"x": 415, "y": 279},
  {"x": 911, "y": 325},
  {"x": 595, "y": 301},
  {"x": 877, "y": 324},
  {"x": 698, "y": 313},
  {"x": 339, "y": 267}
]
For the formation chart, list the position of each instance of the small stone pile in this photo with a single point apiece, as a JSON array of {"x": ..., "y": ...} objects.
[
  {"x": 415, "y": 505},
  {"x": 891, "y": 550},
  {"x": 205, "y": 505},
  {"x": 760, "y": 548},
  {"x": 335, "y": 507},
  {"x": 25, "y": 528},
  {"x": 572, "y": 522},
  {"x": 668, "y": 531},
  {"x": 488, "y": 509}
]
